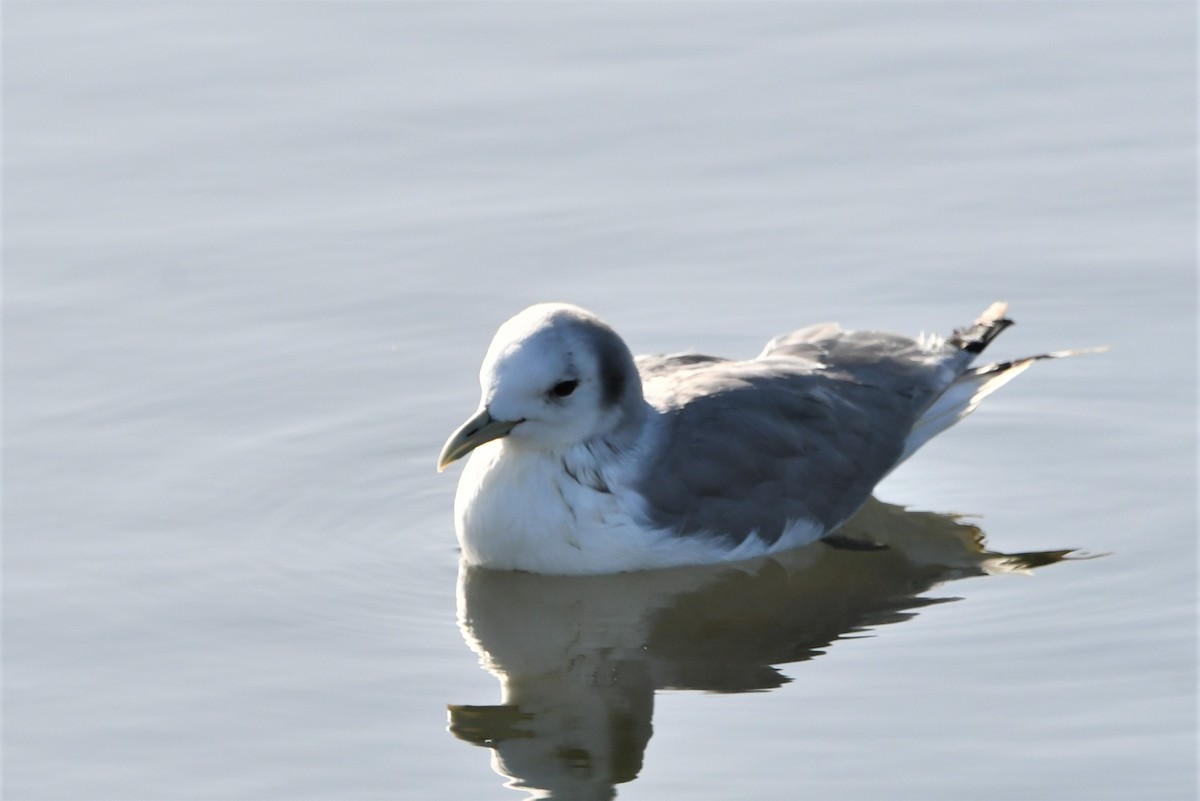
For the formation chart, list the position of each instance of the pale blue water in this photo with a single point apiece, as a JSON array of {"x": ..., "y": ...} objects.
[{"x": 253, "y": 253}]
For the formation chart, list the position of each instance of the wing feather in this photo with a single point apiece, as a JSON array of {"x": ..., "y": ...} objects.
[{"x": 804, "y": 431}]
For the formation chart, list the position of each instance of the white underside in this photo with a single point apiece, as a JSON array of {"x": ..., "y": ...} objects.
[{"x": 519, "y": 510}]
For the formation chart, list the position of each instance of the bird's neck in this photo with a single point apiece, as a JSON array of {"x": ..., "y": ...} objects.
[{"x": 621, "y": 439}]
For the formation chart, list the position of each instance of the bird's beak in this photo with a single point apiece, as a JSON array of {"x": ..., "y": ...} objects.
[{"x": 470, "y": 435}]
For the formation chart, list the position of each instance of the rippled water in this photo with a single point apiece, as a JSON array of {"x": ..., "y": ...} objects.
[{"x": 254, "y": 252}]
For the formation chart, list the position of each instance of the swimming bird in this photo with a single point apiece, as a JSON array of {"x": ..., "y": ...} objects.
[{"x": 585, "y": 459}]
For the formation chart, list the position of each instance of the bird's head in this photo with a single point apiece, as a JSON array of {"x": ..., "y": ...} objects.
[{"x": 554, "y": 376}]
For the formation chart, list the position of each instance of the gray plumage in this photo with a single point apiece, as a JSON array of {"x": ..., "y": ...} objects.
[
  {"x": 805, "y": 430},
  {"x": 585, "y": 460}
]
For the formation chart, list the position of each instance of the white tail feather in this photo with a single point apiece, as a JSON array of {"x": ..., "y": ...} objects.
[{"x": 964, "y": 395}]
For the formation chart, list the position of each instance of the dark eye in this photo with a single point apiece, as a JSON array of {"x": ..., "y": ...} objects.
[{"x": 564, "y": 388}]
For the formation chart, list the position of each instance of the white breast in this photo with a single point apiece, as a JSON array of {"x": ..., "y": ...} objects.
[{"x": 518, "y": 509}]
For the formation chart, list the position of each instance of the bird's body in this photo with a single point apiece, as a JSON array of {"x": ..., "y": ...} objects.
[{"x": 586, "y": 460}]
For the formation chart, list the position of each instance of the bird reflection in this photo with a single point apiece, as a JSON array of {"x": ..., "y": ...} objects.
[{"x": 579, "y": 658}]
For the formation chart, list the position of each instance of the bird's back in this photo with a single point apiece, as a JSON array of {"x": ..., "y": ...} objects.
[{"x": 793, "y": 441}]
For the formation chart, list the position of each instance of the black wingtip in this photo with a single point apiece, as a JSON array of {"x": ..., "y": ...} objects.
[
  {"x": 977, "y": 336},
  {"x": 844, "y": 543}
]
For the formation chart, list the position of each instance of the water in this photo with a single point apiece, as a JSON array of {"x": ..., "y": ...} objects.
[{"x": 254, "y": 252}]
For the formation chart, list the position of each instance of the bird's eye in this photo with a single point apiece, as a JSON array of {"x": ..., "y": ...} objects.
[{"x": 563, "y": 388}]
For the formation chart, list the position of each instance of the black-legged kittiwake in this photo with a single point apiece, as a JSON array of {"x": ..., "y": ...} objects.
[{"x": 587, "y": 460}]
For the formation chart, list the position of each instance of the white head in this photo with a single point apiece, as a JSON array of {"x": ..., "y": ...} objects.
[{"x": 554, "y": 376}]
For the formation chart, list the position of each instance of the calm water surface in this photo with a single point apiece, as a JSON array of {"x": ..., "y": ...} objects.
[{"x": 253, "y": 253}]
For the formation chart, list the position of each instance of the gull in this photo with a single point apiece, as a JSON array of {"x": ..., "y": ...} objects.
[{"x": 585, "y": 459}]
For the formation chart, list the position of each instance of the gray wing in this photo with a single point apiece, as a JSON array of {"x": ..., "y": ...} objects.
[{"x": 804, "y": 431}]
